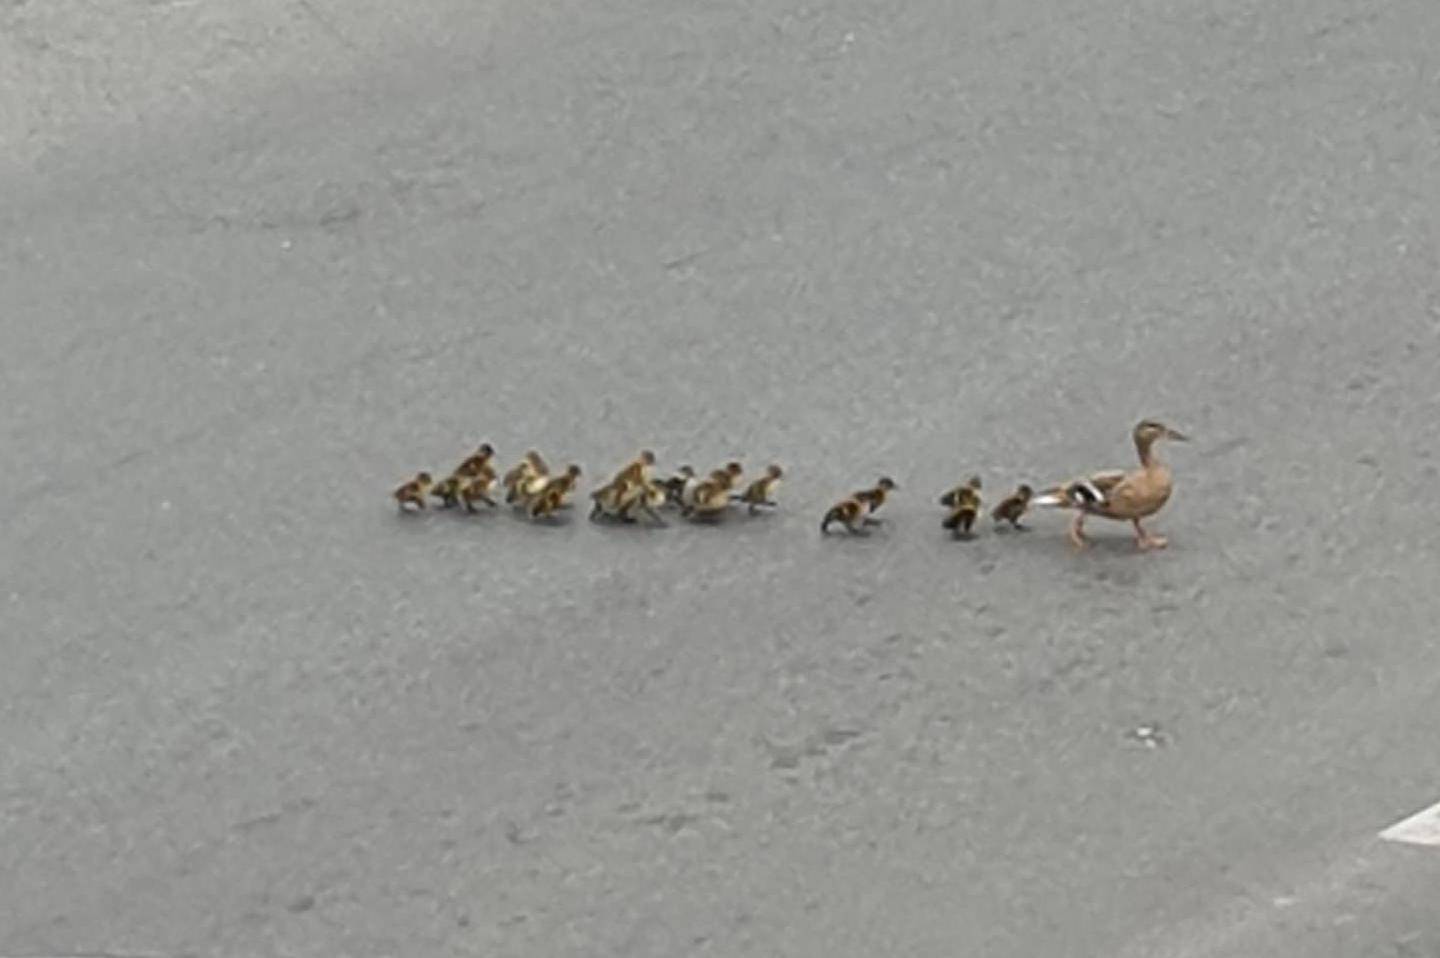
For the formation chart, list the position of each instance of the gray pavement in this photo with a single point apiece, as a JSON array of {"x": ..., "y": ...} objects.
[{"x": 258, "y": 264}]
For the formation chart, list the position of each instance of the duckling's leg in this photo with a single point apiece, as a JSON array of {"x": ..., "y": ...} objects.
[
  {"x": 860, "y": 530},
  {"x": 1077, "y": 531},
  {"x": 1146, "y": 541}
]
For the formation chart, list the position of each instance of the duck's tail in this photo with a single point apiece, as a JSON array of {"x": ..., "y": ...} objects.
[{"x": 1052, "y": 499}]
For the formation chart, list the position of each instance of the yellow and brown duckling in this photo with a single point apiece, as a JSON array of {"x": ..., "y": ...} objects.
[
  {"x": 552, "y": 495},
  {"x": 637, "y": 469},
  {"x": 631, "y": 490},
  {"x": 607, "y": 500},
  {"x": 521, "y": 478},
  {"x": 761, "y": 492},
  {"x": 854, "y": 512},
  {"x": 477, "y": 489},
  {"x": 710, "y": 499},
  {"x": 642, "y": 496},
  {"x": 413, "y": 492},
  {"x": 874, "y": 497},
  {"x": 447, "y": 490},
  {"x": 1125, "y": 496},
  {"x": 477, "y": 462},
  {"x": 964, "y": 504},
  {"x": 621, "y": 499},
  {"x": 1013, "y": 507}
]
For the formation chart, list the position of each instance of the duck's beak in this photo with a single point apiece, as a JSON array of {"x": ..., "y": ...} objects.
[{"x": 1176, "y": 435}]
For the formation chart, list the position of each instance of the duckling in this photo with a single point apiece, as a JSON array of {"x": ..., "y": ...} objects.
[
  {"x": 848, "y": 512},
  {"x": 413, "y": 492},
  {"x": 643, "y": 496},
  {"x": 854, "y": 512},
  {"x": 447, "y": 490},
  {"x": 620, "y": 495},
  {"x": 531, "y": 467},
  {"x": 678, "y": 486},
  {"x": 478, "y": 489},
  {"x": 477, "y": 462},
  {"x": 759, "y": 492},
  {"x": 1117, "y": 494},
  {"x": 964, "y": 503},
  {"x": 637, "y": 469},
  {"x": 605, "y": 501},
  {"x": 551, "y": 496},
  {"x": 1013, "y": 507},
  {"x": 712, "y": 497},
  {"x": 874, "y": 497}
]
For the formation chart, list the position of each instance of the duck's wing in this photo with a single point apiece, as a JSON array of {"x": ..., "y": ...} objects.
[
  {"x": 1137, "y": 494},
  {"x": 1083, "y": 493}
]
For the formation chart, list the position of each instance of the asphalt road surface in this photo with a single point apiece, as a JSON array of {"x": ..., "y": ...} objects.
[{"x": 259, "y": 262}]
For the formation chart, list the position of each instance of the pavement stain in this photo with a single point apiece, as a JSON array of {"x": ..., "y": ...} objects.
[{"x": 788, "y": 756}]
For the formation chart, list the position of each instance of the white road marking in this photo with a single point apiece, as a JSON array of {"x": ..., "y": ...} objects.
[{"x": 1422, "y": 828}]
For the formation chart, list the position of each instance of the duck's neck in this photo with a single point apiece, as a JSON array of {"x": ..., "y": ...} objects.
[{"x": 1145, "y": 448}]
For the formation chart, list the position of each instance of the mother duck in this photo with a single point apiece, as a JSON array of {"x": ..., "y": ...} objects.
[{"x": 1127, "y": 496}]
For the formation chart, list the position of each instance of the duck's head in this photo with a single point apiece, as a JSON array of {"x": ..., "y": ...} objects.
[
  {"x": 647, "y": 457},
  {"x": 774, "y": 472},
  {"x": 486, "y": 450},
  {"x": 573, "y": 471},
  {"x": 423, "y": 478},
  {"x": 974, "y": 482},
  {"x": 1024, "y": 491},
  {"x": 1148, "y": 431},
  {"x": 886, "y": 483}
]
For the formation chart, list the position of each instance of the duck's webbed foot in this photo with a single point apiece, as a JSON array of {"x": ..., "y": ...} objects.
[
  {"x": 1146, "y": 541},
  {"x": 1077, "y": 531}
]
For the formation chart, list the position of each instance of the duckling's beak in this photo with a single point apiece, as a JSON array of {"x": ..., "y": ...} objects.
[{"x": 1176, "y": 435}]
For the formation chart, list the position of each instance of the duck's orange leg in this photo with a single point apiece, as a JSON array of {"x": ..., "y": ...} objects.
[
  {"x": 1077, "y": 531},
  {"x": 1145, "y": 541}
]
